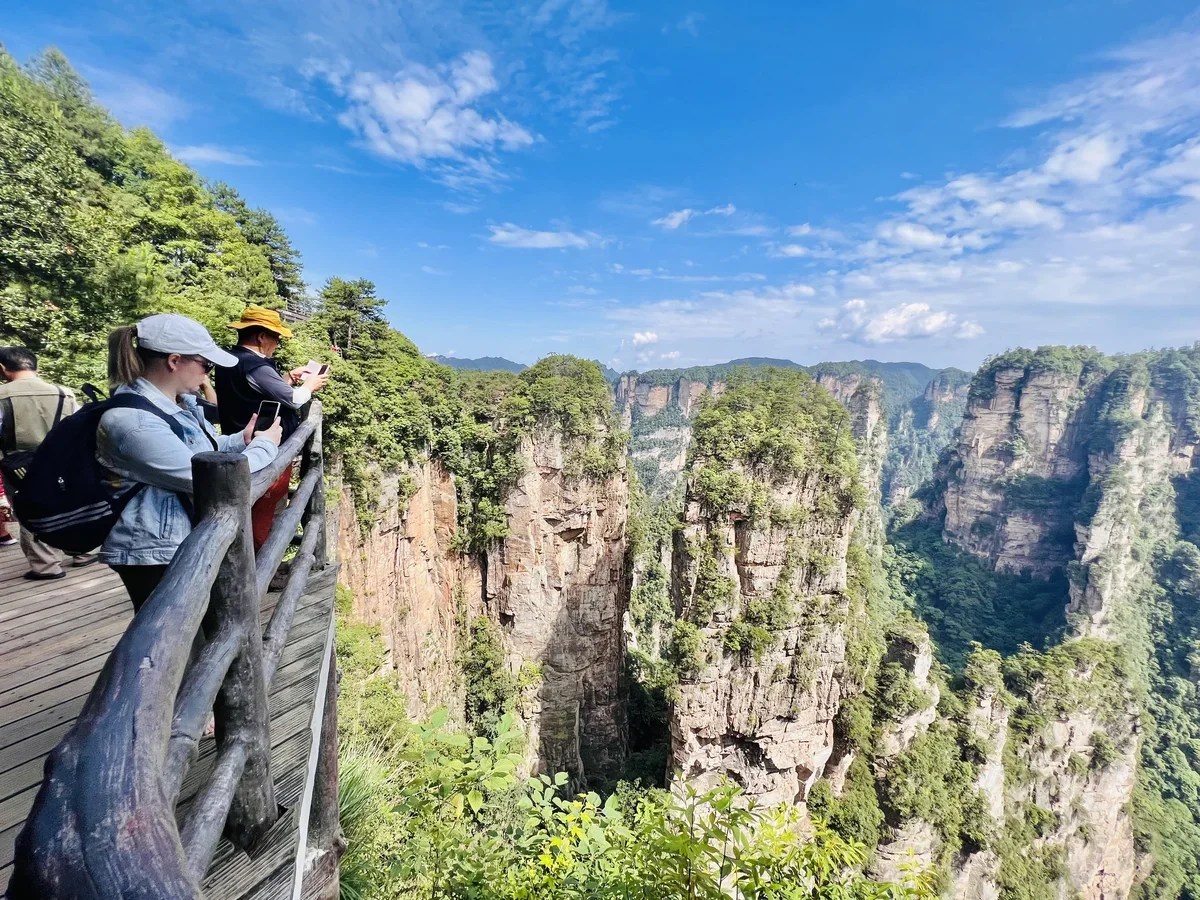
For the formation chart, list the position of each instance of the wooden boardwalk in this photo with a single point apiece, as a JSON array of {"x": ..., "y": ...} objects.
[{"x": 55, "y": 637}]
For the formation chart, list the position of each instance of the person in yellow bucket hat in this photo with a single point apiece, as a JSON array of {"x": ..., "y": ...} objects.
[{"x": 256, "y": 378}]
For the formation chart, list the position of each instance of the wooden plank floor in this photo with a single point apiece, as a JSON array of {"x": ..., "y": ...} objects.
[{"x": 55, "y": 637}]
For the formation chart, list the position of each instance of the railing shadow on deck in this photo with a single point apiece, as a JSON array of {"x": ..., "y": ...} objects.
[{"x": 104, "y": 821}]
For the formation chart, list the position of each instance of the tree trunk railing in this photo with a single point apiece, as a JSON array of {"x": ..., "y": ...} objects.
[{"x": 104, "y": 821}]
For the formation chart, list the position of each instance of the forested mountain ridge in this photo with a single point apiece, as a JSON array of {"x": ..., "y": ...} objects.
[
  {"x": 923, "y": 407},
  {"x": 482, "y": 364},
  {"x": 1004, "y": 682}
]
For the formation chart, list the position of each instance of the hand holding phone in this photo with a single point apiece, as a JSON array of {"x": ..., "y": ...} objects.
[
  {"x": 324, "y": 369},
  {"x": 268, "y": 412}
]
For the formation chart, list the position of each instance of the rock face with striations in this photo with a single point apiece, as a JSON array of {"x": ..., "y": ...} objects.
[
  {"x": 406, "y": 579},
  {"x": 764, "y": 717},
  {"x": 1071, "y": 464},
  {"x": 1021, "y": 430},
  {"x": 556, "y": 586}
]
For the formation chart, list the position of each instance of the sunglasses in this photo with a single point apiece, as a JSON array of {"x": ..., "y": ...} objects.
[{"x": 208, "y": 364}]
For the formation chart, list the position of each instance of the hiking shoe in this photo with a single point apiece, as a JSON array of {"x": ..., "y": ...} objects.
[
  {"x": 44, "y": 576},
  {"x": 8, "y": 541}
]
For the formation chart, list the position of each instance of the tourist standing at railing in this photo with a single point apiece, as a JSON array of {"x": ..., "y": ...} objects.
[
  {"x": 29, "y": 408},
  {"x": 255, "y": 378},
  {"x": 165, "y": 358}
]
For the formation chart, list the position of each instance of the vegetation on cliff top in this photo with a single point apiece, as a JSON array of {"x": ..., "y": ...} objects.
[{"x": 773, "y": 427}]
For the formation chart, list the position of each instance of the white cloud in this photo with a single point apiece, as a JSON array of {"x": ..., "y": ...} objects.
[
  {"x": 1090, "y": 233},
  {"x": 134, "y": 101},
  {"x": 510, "y": 235},
  {"x": 581, "y": 289},
  {"x": 661, "y": 274},
  {"x": 1084, "y": 158},
  {"x": 211, "y": 153},
  {"x": 674, "y": 354},
  {"x": 673, "y": 220},
  {"x": 911, "y": 234},
  {"x": 1023, "y": 213},
  {"x": 689, "y": 24},
  {"x": 425, "y": 245},
  {"x": 430, "y": 270},
  {"x": 423, "y": 116},
  {"x": 791, "y": 250},
  {"x": 903, "y": 322},
  {"x": 968, "y": 330},
  {"x": 459, "y": 209},
  {"x": 644, "y": 337},
  {"x": 747, "y": 231},
  {"x": 296, "y": 215}
]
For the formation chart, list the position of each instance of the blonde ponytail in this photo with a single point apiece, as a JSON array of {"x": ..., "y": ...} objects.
[{"x": 125, "y": 364}]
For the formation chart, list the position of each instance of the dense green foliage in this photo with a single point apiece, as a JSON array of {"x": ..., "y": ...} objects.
[
  {"x": 922, "y": 430},
  {"x": 430, "y": 812},
  {"x": 773, "y": 426},
  {"x": 962, "y": 600},
  {"x": 1167, "y": 801},
  {"x": 1079, "y": 362},
  {"x": 100, "y": 226}
]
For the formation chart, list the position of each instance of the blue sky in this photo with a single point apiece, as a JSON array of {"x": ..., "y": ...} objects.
[{"x": 684, "y": 183}]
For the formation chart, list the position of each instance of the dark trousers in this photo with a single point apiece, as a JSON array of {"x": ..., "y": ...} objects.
[{"x": 140, "y": 582}]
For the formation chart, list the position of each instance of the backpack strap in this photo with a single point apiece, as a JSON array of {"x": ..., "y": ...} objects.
[
  {"x": 62, "y": 398},
  {"x": 134, "y": 400}
]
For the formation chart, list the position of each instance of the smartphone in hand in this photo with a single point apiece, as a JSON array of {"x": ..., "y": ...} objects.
[
  {"x": 324, "y": 368},
  {"x": 268, "y": 412}
]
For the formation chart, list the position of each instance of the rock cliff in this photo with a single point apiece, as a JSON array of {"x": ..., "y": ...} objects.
[
  {"x": 556, "y": 586},
  {"x": 551, "y": 580},
  {"x": 1018, "y": 469},
  {"x": 765, "y": 582},
  {"x": 1066, "y": 460},
  {"x": 406, "y": 578},
  {"x": 922, "y": 408}
]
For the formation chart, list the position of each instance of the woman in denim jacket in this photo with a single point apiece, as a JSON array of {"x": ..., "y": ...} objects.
[{"x": 165, "y": 358}]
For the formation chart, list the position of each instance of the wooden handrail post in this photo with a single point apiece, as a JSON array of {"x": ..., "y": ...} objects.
[
  {"x": 315, "y": 514},
  {"x": 326, "y": 842},
  {"x": 222, "y": 481}
]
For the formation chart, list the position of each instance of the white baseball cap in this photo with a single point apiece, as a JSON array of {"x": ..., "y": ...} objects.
[{"x": 173, "y": 333}]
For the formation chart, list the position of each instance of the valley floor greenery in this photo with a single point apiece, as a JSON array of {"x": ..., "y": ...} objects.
[{"x": 432, "y": 810}]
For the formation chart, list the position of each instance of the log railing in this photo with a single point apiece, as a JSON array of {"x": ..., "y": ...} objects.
[{"x": 104, "y": 822}]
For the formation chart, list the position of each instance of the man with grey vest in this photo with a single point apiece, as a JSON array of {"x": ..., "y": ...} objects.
[{"x": 29, "y": 408}]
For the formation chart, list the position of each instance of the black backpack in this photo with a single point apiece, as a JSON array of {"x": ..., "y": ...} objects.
[{"x": 60, "y": 492}]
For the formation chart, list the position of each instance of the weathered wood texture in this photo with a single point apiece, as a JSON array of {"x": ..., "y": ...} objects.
[
  {"x": 136, "y": 747},
  {"x": 326, "y": 842},
  {"x": 102, "y": 782},
  {"x": 223, "y": 481},
  {"x": 233, "y": 874}
]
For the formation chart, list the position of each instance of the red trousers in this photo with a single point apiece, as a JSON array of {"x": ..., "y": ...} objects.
[{"x": 262, "y": 513}]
